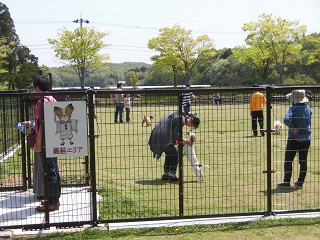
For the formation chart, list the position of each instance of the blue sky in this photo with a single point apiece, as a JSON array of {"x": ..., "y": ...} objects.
[{"x": 131, "y": 24}]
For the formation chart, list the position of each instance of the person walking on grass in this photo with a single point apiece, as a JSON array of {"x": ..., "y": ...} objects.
[
  {"x": 187, "y": 98},
  {"x": 127, "y": 104},
  {"x": 257, "y": 100},
  {"x": 298, "y": 119},
  {"x": 118, "y": 99}
]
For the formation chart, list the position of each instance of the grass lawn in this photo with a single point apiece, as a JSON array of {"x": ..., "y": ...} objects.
[
  {"x": 282, "y": 229},
  {"x": 130, "y": 179}
]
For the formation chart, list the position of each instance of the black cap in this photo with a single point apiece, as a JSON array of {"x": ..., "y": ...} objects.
[{"x": 195, "y": 119}]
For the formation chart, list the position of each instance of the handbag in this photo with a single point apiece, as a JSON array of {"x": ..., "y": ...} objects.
[{"x": 31, "y": 138}]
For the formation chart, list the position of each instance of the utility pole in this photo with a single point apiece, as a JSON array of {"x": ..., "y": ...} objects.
[
  {"x": 82, "y": 68},
  {"x": 81, "y": 20}
]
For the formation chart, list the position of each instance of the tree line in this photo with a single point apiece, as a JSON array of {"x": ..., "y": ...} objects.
[{"x": 276, "y": 51}]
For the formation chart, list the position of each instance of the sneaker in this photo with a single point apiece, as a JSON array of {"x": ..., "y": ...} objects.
[
  {"x": 50, "y": 208},
  {"x": 165, "y": 177},
  {"x": 43, "y": 203},
  {"x": 173, "y": 178},
  {"x": 298, "y": 185},
  {"x": 284, "y": 185}
]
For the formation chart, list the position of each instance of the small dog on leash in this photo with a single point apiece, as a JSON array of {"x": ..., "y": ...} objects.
[
  {"x": 147, "y": 120},
  {"x": 190, "y": 153},
  {"x": 277, "y": 127}
]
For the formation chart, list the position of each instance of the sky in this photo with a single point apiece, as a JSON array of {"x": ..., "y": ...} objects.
[{"x": 131, "y": 24}]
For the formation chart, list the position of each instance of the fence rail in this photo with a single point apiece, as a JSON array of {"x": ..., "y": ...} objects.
[{"x": 120, "y": 180}]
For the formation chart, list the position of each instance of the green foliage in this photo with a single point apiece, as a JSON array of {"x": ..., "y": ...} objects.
[
  {"x": 299, "y": 80},
  {"x": 273, "y": 44},
  {"x": 63, "y": 76},
  {"x": 27, "y": 72},
  {"x": 179, "y": 51},
  {"x": 5, "y": 49},
  {"x": 80, "y": 48},
  {"x": 17, "y": 63},
  {"x": 133, "y": 78}
]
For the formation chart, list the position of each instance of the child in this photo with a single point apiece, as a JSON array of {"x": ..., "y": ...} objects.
[
  {"x": 127, "y": 106},
  {"x": 298, "y": 119}
]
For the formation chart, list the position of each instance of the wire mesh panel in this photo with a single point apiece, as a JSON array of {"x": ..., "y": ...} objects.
[
  {"x": 18, "y": 201},
  {"x": 10, "y": 163},
  {"x": 121, "y": 179},
  {"x": 232, "y": 158},
  {"x": 293, "y": 198},
  {"x": 128, "y": 177}
]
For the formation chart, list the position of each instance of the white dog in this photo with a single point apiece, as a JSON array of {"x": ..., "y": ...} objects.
[
  {"x": 277, "y": 127},
  {"x": 191, "y": 155}
]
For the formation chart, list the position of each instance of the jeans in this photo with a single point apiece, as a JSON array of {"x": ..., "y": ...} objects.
[
  {"x": 54, "y": 181},
  {"x": 171, "y": 164},
  {"x": 127, "y": 114},
  {"x": 171, "y": 160},
  {"x": 119, "y": 111},
  {"x": 291, "y": 150},
  {"x": 186, "y": 108}
]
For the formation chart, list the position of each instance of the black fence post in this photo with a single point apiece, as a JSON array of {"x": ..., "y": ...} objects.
[
  {"x": 180, "y": 157},
  {"x": 92, "y": 158},
  {"x": 23, "y": 145},
  {"x": 269, "y": 171}
]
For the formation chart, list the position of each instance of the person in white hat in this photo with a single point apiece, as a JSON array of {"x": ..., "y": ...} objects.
[{"x": 298, "y": 119}]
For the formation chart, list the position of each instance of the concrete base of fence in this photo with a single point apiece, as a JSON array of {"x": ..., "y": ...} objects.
[{"x": 205, "y": 221}]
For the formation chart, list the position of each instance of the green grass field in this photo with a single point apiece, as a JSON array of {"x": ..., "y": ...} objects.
[{"x": 130, "y": 179}]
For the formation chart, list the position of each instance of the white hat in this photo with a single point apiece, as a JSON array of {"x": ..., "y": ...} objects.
[{"x": 297, "y": 96}]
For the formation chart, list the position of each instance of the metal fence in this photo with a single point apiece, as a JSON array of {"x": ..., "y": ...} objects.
[{"x": 120, "y": 180}]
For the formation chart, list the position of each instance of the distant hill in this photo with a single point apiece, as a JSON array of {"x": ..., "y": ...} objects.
[
  {"x": 99, "y": 78},
  {"x": 121, "y": 68}
]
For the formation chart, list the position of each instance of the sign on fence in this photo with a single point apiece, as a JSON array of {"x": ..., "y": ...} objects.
[{"x": 66, "y": 128}]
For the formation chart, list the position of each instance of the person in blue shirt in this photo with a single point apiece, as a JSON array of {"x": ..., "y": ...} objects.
[
  {"x": 217, "y": 99},
  {"x": 298, "y": 119}
]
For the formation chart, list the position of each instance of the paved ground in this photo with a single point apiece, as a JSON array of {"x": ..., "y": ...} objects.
[{"x": 18, "y": 208}]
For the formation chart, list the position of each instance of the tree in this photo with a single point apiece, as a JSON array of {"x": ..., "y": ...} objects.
[
  {"x": 257, "y": 58},
  {"x": 273, "y": 43},
  {"x": 19, "y": 64},
  {"x": 311, "y": 56},
  {"x": 134, "y": 78},
  {"x": 80, "y": 48},
  {"x": 10, "y": 39},
  {"x": 179, "y": 51},
  {"x": 5, "y": 50}
]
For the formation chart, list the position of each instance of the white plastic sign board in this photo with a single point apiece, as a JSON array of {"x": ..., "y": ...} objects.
[{"x": 66, "y": 128}]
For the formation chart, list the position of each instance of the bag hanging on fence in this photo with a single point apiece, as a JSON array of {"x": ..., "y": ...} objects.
[{"x": 31, "y": 138}]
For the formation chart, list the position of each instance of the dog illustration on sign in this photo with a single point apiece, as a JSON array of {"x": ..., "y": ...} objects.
[{"x": 65, "y": 125}]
